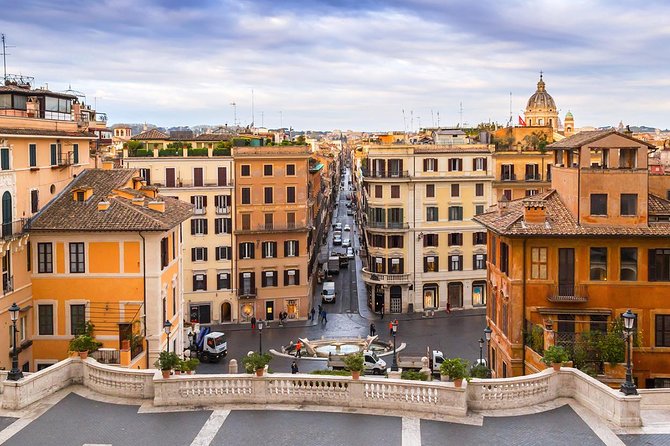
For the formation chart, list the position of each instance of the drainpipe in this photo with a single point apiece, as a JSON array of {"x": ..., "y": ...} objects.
[
  {"x": 523, "y": 299},
  {"x": 144, "y": 296},
  {"x": 413, "y": 232}
]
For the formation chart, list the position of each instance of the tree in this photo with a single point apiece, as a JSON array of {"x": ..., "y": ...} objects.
[
  {"x": 133, "y": 146},
  {"x": 535, "y": 141}
]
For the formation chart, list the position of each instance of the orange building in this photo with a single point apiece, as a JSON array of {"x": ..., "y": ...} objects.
[
  {"x": 271, "y": 231},
  {"x": 108, "y": 251},
  {"x": 573, "y": 259}
]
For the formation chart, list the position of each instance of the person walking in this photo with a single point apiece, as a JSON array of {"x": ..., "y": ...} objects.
[
  {"x": 373, "y": 329},
  {"x": 382, "y": 311},
  {"x": 294, "y": 368},
  {"x": 253, "y": 323},
  {"x": 324, "y": 319},
  {"x": 298, "y": 350},
  {"x": 391, "y": 328},
  {"x": 312, "y": 313},
  {"x": 320, "y": 313}
]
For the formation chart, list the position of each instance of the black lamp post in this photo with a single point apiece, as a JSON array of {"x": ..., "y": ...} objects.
[
  {"x": 259, "y": 324},
  {"x": 628, "y": 387},
  {"x": 167, "y": 327},
  {"x": 15, "y": 374},
  {"x": 394, "y": 330},
  {"x": 481, "y": 348},
  {"x": 487, "y": 335}
]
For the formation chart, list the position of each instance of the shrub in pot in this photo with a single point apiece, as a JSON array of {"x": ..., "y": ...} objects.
[
  {"x": 256, "y": 362},
  {"x": 456, "y": 369},
  {"x": 84, "y": 344},
  {"x": 480, "y": 371},
  {"x": 191, "y": 364},
  {"x": 355, "y": 364},
  {"x": 167, "y": 361},
  {"x": 555, "y": 356}
]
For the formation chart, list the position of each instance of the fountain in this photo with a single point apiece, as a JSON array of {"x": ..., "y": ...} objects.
[{"x": 323, "y": 348}]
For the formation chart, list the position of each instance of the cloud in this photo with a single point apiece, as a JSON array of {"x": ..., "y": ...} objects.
[{"x": 346, "y": 64}]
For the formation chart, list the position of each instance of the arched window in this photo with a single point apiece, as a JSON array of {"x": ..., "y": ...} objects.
[{"x": 6, "y": 214}]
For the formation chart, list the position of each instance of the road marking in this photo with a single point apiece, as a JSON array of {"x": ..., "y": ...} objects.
[
  {"x": 411, "y": 431},
  {"x": 210, "y": 428}
]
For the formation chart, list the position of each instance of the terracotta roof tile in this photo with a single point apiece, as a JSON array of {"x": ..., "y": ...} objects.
[
  {"x": 39, "y": 132},
  {"x": 582, "y": 138},
  {"x": 150, "y": 134}
]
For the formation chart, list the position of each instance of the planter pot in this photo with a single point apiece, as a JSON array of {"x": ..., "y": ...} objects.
[
  {"x": 556, "y": 366},
  {"x": 189, "y": 372},
  {"x": 355, "y": 374},
  {"x": 125, "y": 345},
  {"x": 616, "y": 370},
  {"x": 177, "y": 372},
  {"x": 458, "y": 382},
  {"x": 83, "y": 355},
  {"x": 444, "y": 378},
  {"x": 166, "y": 374},
  {"x": 259, "y": 372}
]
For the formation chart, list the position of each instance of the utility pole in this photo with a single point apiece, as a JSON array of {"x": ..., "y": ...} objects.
[
  {"x": 253, "y": 116},
  {"x": 234, "y": 113},
  {"x": 4, "y": 56}
]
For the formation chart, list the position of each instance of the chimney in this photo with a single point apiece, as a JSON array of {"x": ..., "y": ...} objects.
[
  {"x": 502, "y": 205},
  {"x": 534, "y": 211},
  {"x": 157, "y": 206},
  {"x": 138, "y": 201},
  {"x": 103, "y": 205},
  {"x": 107, "y": 165}
]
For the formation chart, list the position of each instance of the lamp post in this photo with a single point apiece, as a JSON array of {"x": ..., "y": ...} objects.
[
  {"x": 394, "y": 330},
  {"x": 259, "y": 324},
  {"x": 487, "y": 335},
  {"x": 167, "y": 327},
  {"x": 481, "y": 348},
  {"x": 628, "y": 387},
  {"x": 15, "y": 374}
]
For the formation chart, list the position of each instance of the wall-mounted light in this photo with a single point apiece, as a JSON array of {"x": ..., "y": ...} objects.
[{"x": 419, "y": 236}]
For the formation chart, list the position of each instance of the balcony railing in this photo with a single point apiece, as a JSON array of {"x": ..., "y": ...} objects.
[
  {"x": 384, "y": 279},
  {"x": 387, "y": 225},
  {"x": 222, "y": 210},
  {"x": 533, "y": 177},
  {"x": 7, "y": 284},
  {"x": 272, "y": 227},
  {"x": 508, "y": 177},
  {"x": 386, "y": 174},
  {"x": 13, "y": 229},
  {"x": 568, "y": 293},
  {"x": 199, "y": 211},
  {"x": 248, "y": 293},
  {"x": 107, "y": 356}
]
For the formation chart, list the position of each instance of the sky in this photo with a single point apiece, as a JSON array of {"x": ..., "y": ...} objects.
[{"x": 350, "y": 64}]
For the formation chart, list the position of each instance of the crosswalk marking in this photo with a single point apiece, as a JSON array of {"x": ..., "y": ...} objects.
[
  {"x": 411, "y": 431},
  {"x": 210, "y": 428}
]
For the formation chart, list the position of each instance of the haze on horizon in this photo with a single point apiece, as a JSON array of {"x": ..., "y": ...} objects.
[{"x": 348, "y": 64}]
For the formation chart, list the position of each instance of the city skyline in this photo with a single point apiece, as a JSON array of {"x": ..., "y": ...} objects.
[{"x": 346, "y": 65}]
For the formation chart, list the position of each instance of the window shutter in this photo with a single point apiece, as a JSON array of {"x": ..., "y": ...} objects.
[
  {"x": 240, "y": 280},
  {"x": 460, "y": 164},
  {"x": 437, "y": 263},
  {"x": 204, "y": 201},
  {"x": 192, "y": 254},
  {"x": 651, "y": 261},
  {"x": 229, "y": 225},
  {"x": 285, "y": 277},
  {"x": 253, "y": 247},
  {"x": 511, "y": 169},
  {"x": 297, "y": 247},
  {"x": 474, "y": 164},
  {"x": 460, "y": 263},
  {"x": 402, "y": 266},
  {"x": 192, "y": 199},
  {"x": 389, "y": 264},
  {"x": 425, "y": 165},
  {"x": 297, "y": 277},
  {"x": 253, "y": 280},
  {"x": 425, "y": 264},
  {"x": 425, "y": 240},
  {"x": 192, "y": 227},
  {"x": 205, "y": 226},
  {"x": 485, "y": 168},
  {"x": 285, "y": 248},
  {"x": 217, "y": 201},
  {"x": 205, "y": 254}
]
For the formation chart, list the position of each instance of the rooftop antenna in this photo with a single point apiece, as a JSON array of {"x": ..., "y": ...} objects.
[
  {"x": 411, "y": 120},
  {"x": 253, "y": 116},
  {"x": 404, "y": 122},
  {"x": 509, "y": 124},
  {"x": 4, "y": 56},
  {"x": 438, "y": 119},
  {"x": 234, "y": 113}
]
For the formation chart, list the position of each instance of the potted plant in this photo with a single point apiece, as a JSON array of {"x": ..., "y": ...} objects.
[
  {"x": 555, "y": 356},
  {"x": 84, "y": 344},
  {"x": 166, "y": 362},
  {"x": 180, "y": 367},
  {"x": 355, "y": 364},
  {"x": 191, "y": 365},
  {"x": 256, "y": 361},
  {"x": 456, "y": 369},
  {"x": 480, "y": 371}
]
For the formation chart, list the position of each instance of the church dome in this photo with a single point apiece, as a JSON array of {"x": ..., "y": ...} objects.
[
  {"x": 540, "y": 101},
  {"x": 568, "y": 115}
]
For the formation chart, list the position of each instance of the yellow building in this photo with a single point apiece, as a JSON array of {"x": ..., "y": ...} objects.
[
  {"x": 108, "y": 251},
  {"x": 424, "y": 252},
  {"x": 43, "y": 144}
]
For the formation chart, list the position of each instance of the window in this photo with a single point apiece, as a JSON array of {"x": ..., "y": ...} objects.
[
  {"x": 378, "y": 241},
  {"x": 222, "y": 203},
  {"x": 479, "y": 189},
  {"x": 269, "y": 221},
  {"x": 494, "y": 247},
  {"x": 246, "y": 195},
  {"x": 165, "y": 258},
  {"x": 395, "y": 241},
  {"x": 538, "y": 263},
  {"x": 479, "y": 209},
  {"x": 455, "y": 294},
  {"x": 246, "y": 222},
  {"x": 455, "y": 164},
  {"x": 223, "y": 225},
  {"x": 455, "y": 239},
  {"x": 479, "y": 238},
  {"x": 456, "y": 263},
  {"x": 29, "y": 256},
  {"x": 395, "y": 217},
  {"x": 267, "y": 195},
  {"x": 170, "y": 177},
  {"x": 431, "y": 264},
  {"x": 479, "y": 164},
  {"x": 291, "y": 248},
  {"x": 221, "y": 176},
  {"x": 662, "y": 328},
  {"x": 598, "y": 260},
  {"x": 291, "y": 277},
  {"x": 246, "y": 250},
  {"x": 395, "y": 168},
  {"x": 455, "y": 190},
  {"x": 479, "y": 261},
  {"x": 628, "y": 264},
  {"x": 627, "y": 158},
  {"x": 269, "y": 278},
  {"x": 507, "y": 193},
  {"x": 198, "y": 226},
  {"x": 77, "y": 319},
  {"x": 145, "y": 174},
  {"x": 432, "y": 213},
  {"x": 531, "y": 192},
  {"x": 290, "y": 194},
  {"x": 4, "y": 158},
  {"x": 379, "y": 265},
  {"x": 504, "y": 258},
  {"x": 269, "y": 250},
  {"x": 598, "y": 204},
  {"x": 199, "y": 203},
  {"x": 395, "y": 191},
  {"x": 628, "y": 204},
  {"x": 379, "y": 191},
  {"x": 430, "y": 165},
  {"x": 267, "y": 170},
  {"x": 199, "y": 281},
  {"x": 430, "y": 191},
  {"x": 34, "y": 201},
  {"x": 533, "y": 172},
  {"x": 223, "y": 253},
  {"x": 455, "y": 213},
  {"x": 479, "y": 293},
  {"x": 199, "y": 254},
  {"x": 198, "y": 177},
  {"x": 290, "y": 220},
  {"x": 77, "y": 258},
  {"x": 396, "y": 266},
  {"x": 431, "y": 240},
  {"x": 223, "y": 281},
  {"x": 507, "y": 172},
  {"x": 75, "y": 153},
  {"x": 45, "y": 316},
  {"x": 54, "y": 154},
  {"x": 290, "y": 170},
  {"x": 32, "y": 150},
  {"x": 659, "y": 265}
]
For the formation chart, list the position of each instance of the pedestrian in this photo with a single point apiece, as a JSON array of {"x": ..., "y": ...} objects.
[
  {"x": 391, "y": 328},
  {"x": 373, "y": 329},
  {"x": 382, "y": 311},
  {"x": 253, "y": 322},
  {"x": 298, "y": 350},
  {"x": 294, "y": 368},
  {"x": 448, "y": 307},
  {"x": 325, "y": 319},
  {"x": 312, "y": 313}
]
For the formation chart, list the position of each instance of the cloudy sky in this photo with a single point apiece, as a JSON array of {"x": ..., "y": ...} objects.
[{"x": 347, "y": 64}]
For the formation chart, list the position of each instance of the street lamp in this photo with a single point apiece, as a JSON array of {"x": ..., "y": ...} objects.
[
  {"x": 481, "y": 347},
  {"x": 259, "y": 324},
  {"x": 15, "y": 374},
  {"x": 167, "y": 327},
  {"x": 394, "y": 330},
  {"x": 487, "y": 335},
  {"x": 628, "y": 387}
]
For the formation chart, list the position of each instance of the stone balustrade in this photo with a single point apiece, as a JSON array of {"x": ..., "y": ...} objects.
[{"x": 369, "y": 392}]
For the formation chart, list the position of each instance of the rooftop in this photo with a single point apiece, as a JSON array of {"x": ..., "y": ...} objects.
[{"x": 583, "y": 138}]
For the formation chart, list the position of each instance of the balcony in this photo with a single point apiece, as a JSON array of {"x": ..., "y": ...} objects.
[
  {"x": 199, "y": 211},
  {"x": 13, "y": 229},
  {"x": 7, "y": 284},
  {"x": 222, "y": 210},
  {"x": 386, "y": 174},
  {"x": 246, "y": 292},
  {"x": 533, "y": 177},
  {"x": 273, "y": 227},
  {"x": 568, "y": 294},
  {"x": 508, "y": 177},
  {"x": 385, "y": 279},
  {"x": 387, "y": 225}
]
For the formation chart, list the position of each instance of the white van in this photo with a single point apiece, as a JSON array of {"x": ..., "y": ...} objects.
[{"x": 328, "y": 293}]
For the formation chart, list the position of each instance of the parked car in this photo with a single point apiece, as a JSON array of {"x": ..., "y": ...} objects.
[
  {"x": 346, "y": 243},
  {"x": 337, "y": 239},
  {"x": 347, "y": 227},
  {"x": 350, "y": 252},
  {"x": 337, "y": 226}
]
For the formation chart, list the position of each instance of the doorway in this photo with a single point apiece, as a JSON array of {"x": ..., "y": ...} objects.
[
  {"x": 269, "y": 310},
  {"x": 396, "y": 299},
  {"x": 566, "y": 271},
  {"x": 226, "y": 311}
]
